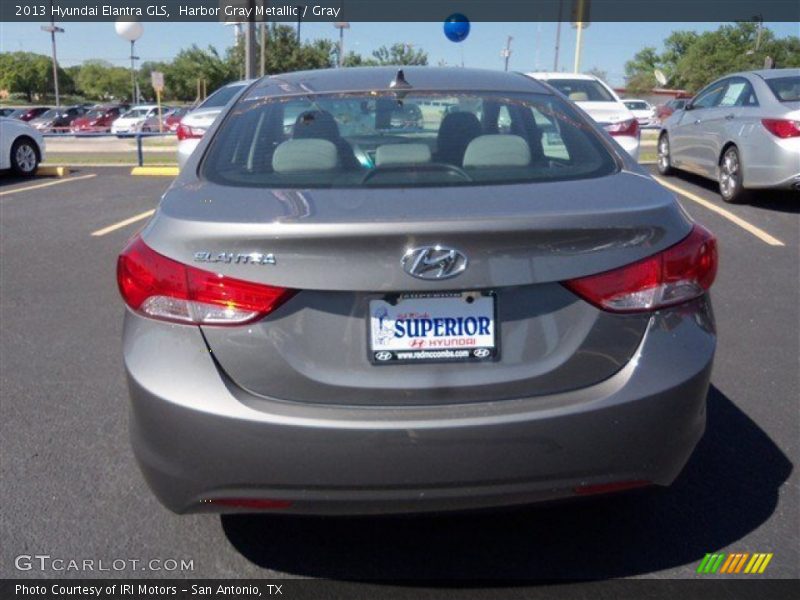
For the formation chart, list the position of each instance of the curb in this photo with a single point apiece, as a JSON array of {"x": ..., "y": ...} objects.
[
  {"x": 155, "y": 171},
  {"x": 48, "y": 171}
]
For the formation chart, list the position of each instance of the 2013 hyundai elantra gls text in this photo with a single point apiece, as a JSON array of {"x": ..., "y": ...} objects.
[{"x": 493, "y": 305}]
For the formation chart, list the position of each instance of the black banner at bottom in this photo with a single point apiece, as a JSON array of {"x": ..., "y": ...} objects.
[{"x": 218, "y": 589}]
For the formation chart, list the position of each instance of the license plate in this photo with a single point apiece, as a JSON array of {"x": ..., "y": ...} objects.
[{"x": 433, "y": 328}]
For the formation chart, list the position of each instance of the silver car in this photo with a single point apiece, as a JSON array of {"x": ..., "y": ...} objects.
[
  {"x": 386, "y": 321},
  {"x": 742, "y": 130},
  {"x": 196, "y": 122}
]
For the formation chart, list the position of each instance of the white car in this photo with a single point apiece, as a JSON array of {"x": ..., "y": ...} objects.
[
  {"x": 644, "y": 112},
  {"x": 194, "y": 125},
  {"x": 21, "y": 147},
  {"x": 129, "y": 123},
  {"x": 601, "y": 103}
]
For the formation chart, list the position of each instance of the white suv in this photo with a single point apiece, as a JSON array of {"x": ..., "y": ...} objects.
[{"x": 601, "y": 103}]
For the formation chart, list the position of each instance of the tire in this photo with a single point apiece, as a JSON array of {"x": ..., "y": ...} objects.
[
  {"x": 730, "y": 176},
  {"x": 663, "y": 162},
  {"x": 24, "y": 157}
]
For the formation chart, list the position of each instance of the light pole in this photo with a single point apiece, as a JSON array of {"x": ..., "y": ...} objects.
[
  {"x": 53, "y": 30},
  {"x": 558, "y": 34},
  {"x": 341, "y": 26},
  {"x": 131, "y": 31},
  {"x": 506, "y": 52}
]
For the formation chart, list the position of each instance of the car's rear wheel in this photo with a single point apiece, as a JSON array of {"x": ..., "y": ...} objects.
[
  {"x": 664, "y": 163},
  {"x": 24, "y": 157},
  {"x": 730, "y": 176}
]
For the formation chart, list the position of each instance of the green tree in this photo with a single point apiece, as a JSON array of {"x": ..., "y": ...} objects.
[
  {"x": 690, "y": 60},
  {"x": 639, "y": 71},
  {"x": 284, "y": 53},
  {"x": 100, "y": 80},
  {"x": 400, "y": 54},
  {"x": 192, "y": 64},
  {"x": 27, "y": 73}
]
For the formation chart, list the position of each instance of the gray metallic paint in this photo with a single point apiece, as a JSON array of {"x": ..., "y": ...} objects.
[{"x": 289, "y": 407}]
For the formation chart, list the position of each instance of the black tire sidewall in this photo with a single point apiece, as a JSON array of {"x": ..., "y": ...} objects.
[{"x": 14, "y": 165}]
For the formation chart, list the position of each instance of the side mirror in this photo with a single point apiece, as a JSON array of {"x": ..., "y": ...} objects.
[{"x": 688, "y": 106}]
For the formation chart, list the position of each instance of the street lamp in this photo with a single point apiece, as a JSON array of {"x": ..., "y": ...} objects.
[
  {"x": 131, "y": 31},
  {"x": 53, "y": 30},
  {"x": 341, "y": 26}
]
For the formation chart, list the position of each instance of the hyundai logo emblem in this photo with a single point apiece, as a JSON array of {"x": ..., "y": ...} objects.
[{"x": 434, "y": 262}]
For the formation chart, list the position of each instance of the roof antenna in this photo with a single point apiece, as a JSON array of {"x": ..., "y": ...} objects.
[
  {"x": 400, "y": 85},
  {"x": 399, "y": 81}
]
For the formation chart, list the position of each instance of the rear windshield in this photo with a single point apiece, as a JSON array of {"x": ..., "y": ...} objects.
[
  {"x": 582, "y": 90},
  {"x": 421, "y": 139},
  {"x": 221, "y": 97},
  {"x": 636, "y": 105},
  {"x": 786, "y": 89}
]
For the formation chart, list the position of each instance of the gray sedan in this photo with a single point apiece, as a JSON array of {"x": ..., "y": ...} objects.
[
  {"x": 742, "y": 130},
  {"x": 496, "y": 307}
]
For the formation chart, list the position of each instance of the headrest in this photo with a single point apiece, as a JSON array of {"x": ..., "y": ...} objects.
[
  {"x": 402, "y": 154},
  {"x": 578, "y": 96},
  {"x": 497, "y": 150},
  {"x": 318, "y": 124},
  {"x": 292, "y": 156}
]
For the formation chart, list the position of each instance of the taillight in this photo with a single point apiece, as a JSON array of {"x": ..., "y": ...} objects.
[
  {"x": 678, "y": 274},
  {"x": 782, "y": 128},
  {"x": 185, "y": 132},
  {"x": 629, "y": 128},
  {"x": 161, "y": 288}
]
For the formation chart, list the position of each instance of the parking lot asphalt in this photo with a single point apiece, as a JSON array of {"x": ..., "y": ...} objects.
[{"x": 70, "y": 487}]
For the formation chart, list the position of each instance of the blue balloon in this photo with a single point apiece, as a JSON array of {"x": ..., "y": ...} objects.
[{"x": 456, "y": 27}]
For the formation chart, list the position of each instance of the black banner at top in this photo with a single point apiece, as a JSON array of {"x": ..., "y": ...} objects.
[{"x": 400, "y": 10}]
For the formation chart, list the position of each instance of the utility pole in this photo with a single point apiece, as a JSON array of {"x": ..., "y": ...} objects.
[
  {"x": 53, "y": 30},
  {"x": 250, "y": 44},
  {"x": 299, "y": 21},
  {"x": 580, "y": 23},
  {"x": 341, "y": 26},
  {"x": 558, "y": 34},
  {"x": 506, "y": 52},
  {"x": 263, "y": 66}
]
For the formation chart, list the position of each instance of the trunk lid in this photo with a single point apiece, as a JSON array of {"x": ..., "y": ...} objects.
[{"x": 343, "y": 248}]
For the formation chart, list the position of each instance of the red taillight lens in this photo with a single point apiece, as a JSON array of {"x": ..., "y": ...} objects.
[
  {"x": 159, "y": 287},
  {"x": 678, "y": 274},
  {"x": 782, "y": 128},
  {"x": 185, "y": 132},
  {"x": 629, "y": 128}
]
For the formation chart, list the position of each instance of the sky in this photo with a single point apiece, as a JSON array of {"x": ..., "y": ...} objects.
[{"x": 606, "y": 46}]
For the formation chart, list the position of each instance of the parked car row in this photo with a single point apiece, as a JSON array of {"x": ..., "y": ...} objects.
[{"x": 118, "y": 118}]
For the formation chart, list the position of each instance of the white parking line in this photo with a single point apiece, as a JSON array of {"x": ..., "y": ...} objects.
[
  {"x": 123, "y": 223},
  {"x": 736, "y": 220},
  {"x": 47, "y": 184}
]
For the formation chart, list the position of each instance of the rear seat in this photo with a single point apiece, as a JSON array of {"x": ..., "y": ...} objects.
[{"x": 497, "y": 150}]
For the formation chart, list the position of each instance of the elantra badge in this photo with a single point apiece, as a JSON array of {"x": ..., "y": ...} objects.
[{"x": 237, "y": 258}]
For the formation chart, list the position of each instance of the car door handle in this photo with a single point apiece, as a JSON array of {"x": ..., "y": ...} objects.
[
  {"x": 697, "y": 121},
  {"x": 730, "y": 117}
]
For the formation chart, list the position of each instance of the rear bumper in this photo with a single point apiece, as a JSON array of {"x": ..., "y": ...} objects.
[
  {"x": 199, "y": 438},
  {"x": 770, "y": 162},
  {"x": 630, "y": 144}
]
